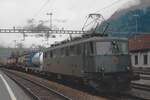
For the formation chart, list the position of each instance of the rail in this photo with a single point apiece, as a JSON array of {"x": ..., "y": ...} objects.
[
  {"x": 33, "y": 88},
  {"x": 141, "y": 86},
  {"x": 125, "y": 96}
]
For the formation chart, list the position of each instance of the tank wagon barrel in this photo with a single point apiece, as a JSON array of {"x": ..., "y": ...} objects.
[{"x": 37, "y": 58}]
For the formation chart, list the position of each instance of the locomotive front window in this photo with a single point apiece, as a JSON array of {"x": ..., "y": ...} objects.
[
  {"x": 119, "y": 47},
  {"x": 111, "y": 47}
]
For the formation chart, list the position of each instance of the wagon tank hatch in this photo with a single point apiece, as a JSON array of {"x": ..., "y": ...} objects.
[{"x": 94, "y": 25}]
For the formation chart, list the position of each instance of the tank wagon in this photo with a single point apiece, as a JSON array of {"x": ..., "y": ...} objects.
[
  {"x": 36, "y": 61},
  {"x": 3, "y": 62},
  {"x": 100, "y": 62},
  {"x": 11, "y": 62},
  {"x": 31, "y": 61}
]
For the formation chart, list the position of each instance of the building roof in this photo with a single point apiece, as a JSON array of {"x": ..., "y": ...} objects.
[{"x": 139, "y": 43}]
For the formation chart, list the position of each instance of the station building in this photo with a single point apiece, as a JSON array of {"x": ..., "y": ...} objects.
[{"x": 139, "y": 47}]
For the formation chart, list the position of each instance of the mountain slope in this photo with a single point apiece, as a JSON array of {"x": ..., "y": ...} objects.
[{"x": 131, "y": 20}]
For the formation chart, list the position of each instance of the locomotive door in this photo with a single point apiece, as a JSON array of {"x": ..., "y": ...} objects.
[{"x": 88, "y": 57}]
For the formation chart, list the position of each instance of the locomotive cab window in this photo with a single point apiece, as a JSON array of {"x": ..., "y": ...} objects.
[
  {"x": 79, "y": 49},
  {"x": 62, "y": 50},
  {"x": 72, "y": 50},
  {"x": 51, "y": 54}
]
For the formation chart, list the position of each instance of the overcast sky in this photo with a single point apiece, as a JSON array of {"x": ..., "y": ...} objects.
[{"x": 70, "y": 14}]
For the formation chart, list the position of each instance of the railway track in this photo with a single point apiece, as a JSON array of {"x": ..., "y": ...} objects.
[
  {"x": 138, "y": 92},
  {"x": 36, "y": 90},
  {"x": 70, "y": 93},
  {"x": 120, "y": 96},
  {"x": 142, "y": 72},
  {"x": 145, "y": 77},
  {"x": 141, "y": 86},
  {"x": 125, "y": 96}
]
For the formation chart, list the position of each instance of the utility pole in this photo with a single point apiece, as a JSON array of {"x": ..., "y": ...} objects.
[
  {"x": 15, "y": 43},
  {"x": 50, "y": 14},
  {"x": 136, "y": 22}
]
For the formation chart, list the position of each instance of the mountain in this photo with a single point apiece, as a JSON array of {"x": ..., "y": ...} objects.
[
  {"x": 130, "y": 20},
  {"x": 6, "y": 52}
]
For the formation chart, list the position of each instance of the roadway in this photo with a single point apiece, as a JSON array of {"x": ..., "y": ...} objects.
[{"x": 9, "y": 90}]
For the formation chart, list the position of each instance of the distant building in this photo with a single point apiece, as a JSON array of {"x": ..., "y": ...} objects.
[
  {"x": 5, "y": 52},
  {"x": 139, "y": 48}
]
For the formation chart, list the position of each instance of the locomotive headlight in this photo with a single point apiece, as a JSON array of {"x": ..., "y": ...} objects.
[
  {"x": 102, "y": 69},
  {"x": 128, "y": 68}
]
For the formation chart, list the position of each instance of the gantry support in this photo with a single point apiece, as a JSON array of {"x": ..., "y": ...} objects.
[{"x": 42, "y": 31}]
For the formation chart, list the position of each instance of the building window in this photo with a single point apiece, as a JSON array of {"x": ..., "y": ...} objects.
[
  {"x": 145, "y": 59},
  {"x": 136, "y": 59}
]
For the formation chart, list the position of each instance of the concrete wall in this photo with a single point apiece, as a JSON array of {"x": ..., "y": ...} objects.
[{"x": 140, "y": 59}]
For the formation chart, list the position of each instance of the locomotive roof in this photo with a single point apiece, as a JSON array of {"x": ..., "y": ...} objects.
[{"x": 83, "y": 40}]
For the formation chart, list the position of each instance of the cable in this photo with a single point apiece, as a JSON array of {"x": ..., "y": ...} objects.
[
  {"x": 108, "y": 6},
  {"x": 42, "y": 7}
]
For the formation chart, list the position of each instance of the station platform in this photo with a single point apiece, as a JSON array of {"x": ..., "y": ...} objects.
[{"x": 9, "y": 90}]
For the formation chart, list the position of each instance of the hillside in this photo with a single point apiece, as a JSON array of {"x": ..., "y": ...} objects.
[
  {"x": 5, "y": 52},
  {"x": 130, "y": 20},
  {"x": 8, "y": 52}
]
